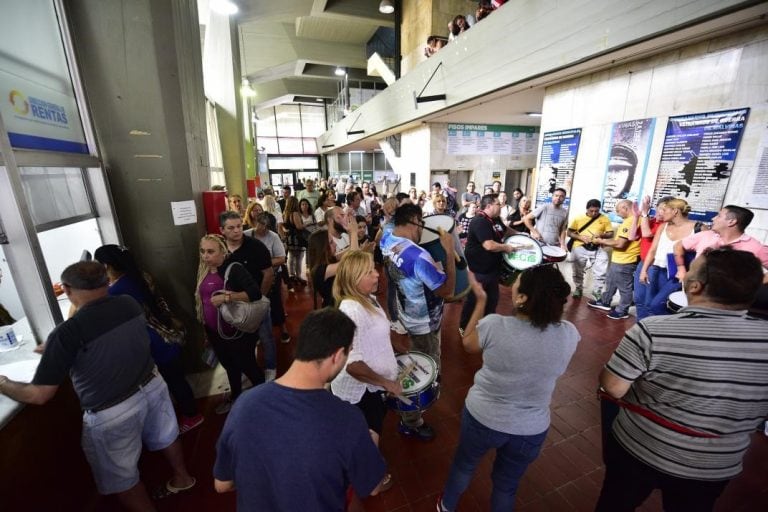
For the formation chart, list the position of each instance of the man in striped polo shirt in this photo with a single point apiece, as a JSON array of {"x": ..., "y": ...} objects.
[{"x": 693, "y": 390}]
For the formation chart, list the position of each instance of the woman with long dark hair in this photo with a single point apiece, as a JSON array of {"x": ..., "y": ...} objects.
[
  {"x": 166, "y": 333},
  {"x": 507, "y": 409},
  {"x": 235, "y": 350}
]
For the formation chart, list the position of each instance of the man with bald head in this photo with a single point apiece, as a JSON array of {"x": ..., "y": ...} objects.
[{"x": 624, "y": 259}]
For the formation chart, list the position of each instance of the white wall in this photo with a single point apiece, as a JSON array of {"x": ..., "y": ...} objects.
[
  {"x": 414, "y": 157},
  {"x": 718, "y": 74}
]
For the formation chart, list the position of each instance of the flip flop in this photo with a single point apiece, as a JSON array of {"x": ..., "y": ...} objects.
[
  {"x": 169, "y": 490},
  {"x": 386, "y": 484}
]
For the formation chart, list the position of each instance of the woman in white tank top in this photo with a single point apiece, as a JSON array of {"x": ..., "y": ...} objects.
[{"x": 654, "y": 275}]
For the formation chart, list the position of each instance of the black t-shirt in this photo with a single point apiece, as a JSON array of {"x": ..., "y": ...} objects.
[
  {"x": 254, "y": 255},
  {"x": 323, "y": 286},
  {"x": 482, "y": 228},
  {"x": 104, "y": 348}
]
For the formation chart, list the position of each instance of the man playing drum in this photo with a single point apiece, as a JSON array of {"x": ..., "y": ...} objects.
[
  {"x": 484, "y": 252},
  {"x": 421, "y": 286},
  {"x": 551, "y": 220}
]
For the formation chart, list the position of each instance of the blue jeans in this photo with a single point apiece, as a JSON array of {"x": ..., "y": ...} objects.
[
  {"x": 653, "y": 300},
  {"x": 268, "y": 342},
  {"x": 621, "y": 278},
  {"x": 513, "y": 455}
]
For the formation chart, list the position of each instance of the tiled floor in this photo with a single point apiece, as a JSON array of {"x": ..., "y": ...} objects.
[{"x": 567, "y": 476}]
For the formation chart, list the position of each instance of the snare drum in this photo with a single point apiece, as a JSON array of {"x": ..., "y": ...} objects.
[
  {"x": 418, "y": 376},
  {"x": 431, "y": 242},
  {"x": 528, "y": 254},
  {"x": 676, "y": 301},
  {"x": 554, "y": 253}
]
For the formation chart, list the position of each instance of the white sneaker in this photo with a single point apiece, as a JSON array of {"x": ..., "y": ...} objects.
[
  {"x": 269, "y": 375},
  {"x": 398, "y": 327}
]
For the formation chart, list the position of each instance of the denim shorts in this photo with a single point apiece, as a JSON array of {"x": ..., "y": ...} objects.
[{"x": 112, "y": 438}]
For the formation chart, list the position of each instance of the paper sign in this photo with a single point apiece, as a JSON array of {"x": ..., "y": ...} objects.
[{"x": 184, "y": 212}]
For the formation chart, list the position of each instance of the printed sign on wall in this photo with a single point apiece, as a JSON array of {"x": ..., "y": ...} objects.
[
  {"x": 558, "y": 160},
  {"x": 492, "y": 139},
  {"x": 697, "y": 159}
]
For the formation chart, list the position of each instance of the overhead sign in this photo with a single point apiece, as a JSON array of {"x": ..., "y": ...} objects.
[{"x": 492, "y": 139}]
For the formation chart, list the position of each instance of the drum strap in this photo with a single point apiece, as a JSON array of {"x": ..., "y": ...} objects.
[
  {"x": 659, "y": 420},
  {"x": 496, "y": 235}
]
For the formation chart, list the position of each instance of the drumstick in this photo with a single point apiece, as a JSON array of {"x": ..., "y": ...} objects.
[
  {"x": 406, "y": 370},
  {"x": 404, "y": 399}
]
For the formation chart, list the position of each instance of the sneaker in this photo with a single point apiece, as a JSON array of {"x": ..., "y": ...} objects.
[
  {"x": 270, "y": 374},
  {"x": 398, "y": 327},
  {"x": 617, "y": 315},
  {"x": 423, "y": 432},
  {"x": 597, "y": 294},
  {"x": 187, "y": 423},
  {"x": 223, "y": 407},
  {"x": 439, "y": 505},
  {"x": 577, "y": 293},
  {"x": 285, "y": 338},
  {"x": 596, "y": 304}
]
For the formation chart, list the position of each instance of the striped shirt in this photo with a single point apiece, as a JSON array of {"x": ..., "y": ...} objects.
[{"x": 705, "y": 369}]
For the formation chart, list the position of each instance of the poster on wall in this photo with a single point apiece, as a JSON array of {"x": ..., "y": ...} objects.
[
  {"x": 758, "y": 193},
  {"x": 558, "y": 160},
  {"x": 492, "y": 139},
  {"x": 697, "y": 159},
  {"x": 627, "y": 163}
]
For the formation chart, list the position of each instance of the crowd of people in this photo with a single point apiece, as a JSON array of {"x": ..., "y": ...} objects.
[
  {"x": 461, "y": 23},
  {"x": 309, "y": 439}
]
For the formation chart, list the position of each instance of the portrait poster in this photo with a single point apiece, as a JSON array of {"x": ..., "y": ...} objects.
[
  {"x": 697, "y": 159},
  {"x": 558, "y": 160},
  {"x": 627, "y": 163}
]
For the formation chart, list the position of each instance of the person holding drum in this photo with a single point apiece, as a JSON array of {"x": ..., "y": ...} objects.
[
  {"x": 507, "y": 408},
  {"x": 551, "y": 220},
  {"x": 582, "y": 230},
  {"x": 421, "y": 286},
  {"x": 371, "y": 370},
  {"x": 484, "y": 251}
]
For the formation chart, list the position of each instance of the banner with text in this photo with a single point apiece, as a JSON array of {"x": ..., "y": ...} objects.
[
  {"x": 558, "y": 160},
  {"x": 697, "y": 159},
  {"x": 492, "y": 139}
]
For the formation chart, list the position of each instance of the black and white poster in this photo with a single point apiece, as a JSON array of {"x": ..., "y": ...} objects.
[{"x": 697, "y": 159}]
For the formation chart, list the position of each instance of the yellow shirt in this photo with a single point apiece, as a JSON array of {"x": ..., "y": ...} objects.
[
  {"x": 601, "y": 225},
  {"x": 632, "y": 253}
]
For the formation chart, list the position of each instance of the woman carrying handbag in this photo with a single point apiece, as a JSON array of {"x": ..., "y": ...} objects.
[{"x": 235, "y": 349}]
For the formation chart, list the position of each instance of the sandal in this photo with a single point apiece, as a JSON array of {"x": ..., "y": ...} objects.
[{"x": 169, "y": 490}]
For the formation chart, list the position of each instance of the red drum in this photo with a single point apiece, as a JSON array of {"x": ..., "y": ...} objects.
[{"x": 554, "y": 253}]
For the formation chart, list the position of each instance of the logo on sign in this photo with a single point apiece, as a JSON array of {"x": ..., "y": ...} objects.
[
  {"x": 41, "y": 110},
  {"x": 19, "y": 102}
]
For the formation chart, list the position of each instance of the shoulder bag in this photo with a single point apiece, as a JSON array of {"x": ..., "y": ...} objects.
[
  {"x": 589, "y": 247},
  {"x": 242, "y": 315}
]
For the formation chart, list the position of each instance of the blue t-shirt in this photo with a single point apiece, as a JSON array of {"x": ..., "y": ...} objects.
[
  {"x": 162, "y": 352},
  {"x": 416, "y": 275},
  {"x": 296, "y": 450}
]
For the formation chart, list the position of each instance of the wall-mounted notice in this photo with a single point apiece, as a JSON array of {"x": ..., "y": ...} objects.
[
  {"x": 184, "y": 212},
  {"x": 492, "y": 139},
  {"x": 758, "y": 195},
  {"x": 627, "y": 163},
  {"x": 558, "y": 160},
  {"x": 697, "y": 159}
]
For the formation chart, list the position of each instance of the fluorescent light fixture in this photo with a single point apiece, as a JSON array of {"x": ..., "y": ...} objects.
[
  {"x": 340, "y": 71},
  {"x": 319, "y": 99},
  {"x": 533, "y": 114},
  {"x": 386, "y": 7},
  {"x": 225, "y": 7}
]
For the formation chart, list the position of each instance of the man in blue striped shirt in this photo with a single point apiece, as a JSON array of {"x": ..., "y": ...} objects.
[{"x": 692, "y": 390}]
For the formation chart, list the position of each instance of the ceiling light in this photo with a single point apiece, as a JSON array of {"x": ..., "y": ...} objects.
[
  {"x": 246, "y": 91},
  {"x": 386, "y": 7},
  {"x": 318, "y": 99},
  {"x": 533, "y": 114},
  {"x": 340, "y": 71},
  {"x": 225, "y": 7}
]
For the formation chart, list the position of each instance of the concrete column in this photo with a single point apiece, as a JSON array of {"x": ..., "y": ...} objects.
[{"x": 141, "y": 66}]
